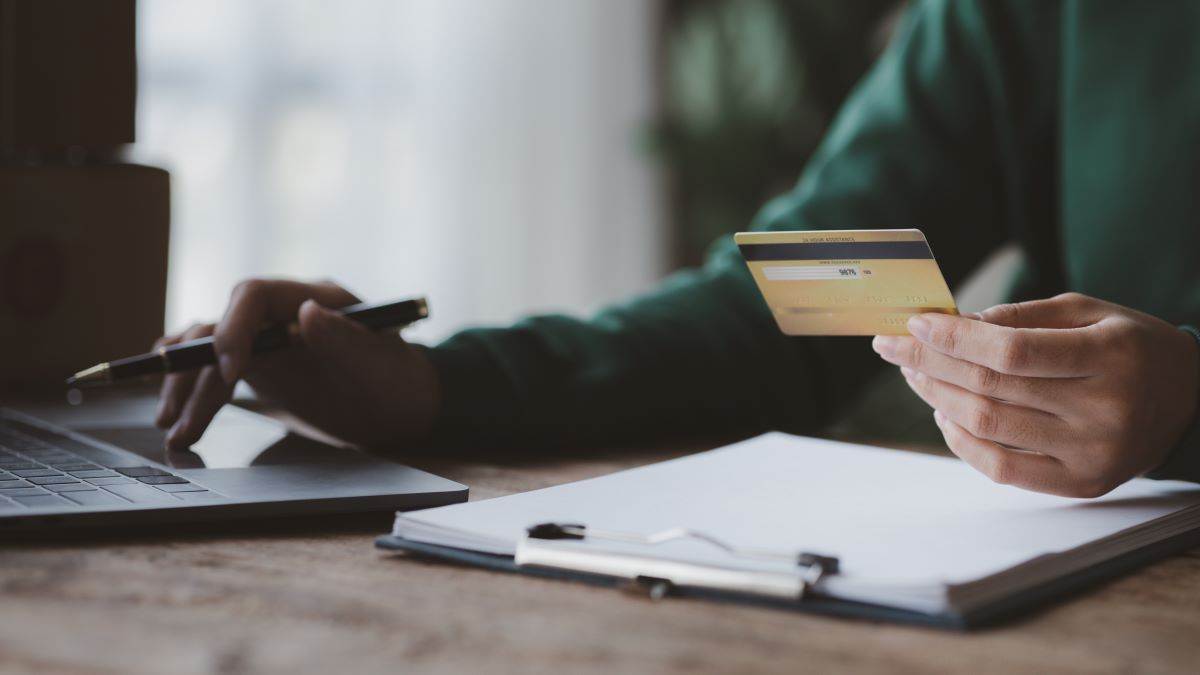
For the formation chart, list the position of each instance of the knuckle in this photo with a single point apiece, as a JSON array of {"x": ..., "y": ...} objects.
[
  {"x": 1013, "y": 353},
  {"x": 1002, "y": 470},
  {"x": 1007, "y": 312},
  {"x": 247, "y": 288},
  {"x": 1072, "y": 297},
  {"x": 337, "y": 293},
  {"x": 985, "y": 381},
  {"x": 948, "y": 337},
  {"x": 1116, "y": 413},
  {"x": 1124, "y": 341},
  {"x": 917, "y": 355},
  {"x": 983, "y": 421}
]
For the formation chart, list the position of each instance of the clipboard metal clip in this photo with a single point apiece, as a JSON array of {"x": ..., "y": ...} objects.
[{"x": 658, "y": 577}]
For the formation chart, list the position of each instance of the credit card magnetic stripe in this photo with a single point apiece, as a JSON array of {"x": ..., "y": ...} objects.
[{"x": 856, "y": 250}]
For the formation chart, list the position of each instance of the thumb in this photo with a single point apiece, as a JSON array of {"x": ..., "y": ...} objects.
[
  {"x": 1070, "y": 310},
  {"x": 329, "y": 333}
]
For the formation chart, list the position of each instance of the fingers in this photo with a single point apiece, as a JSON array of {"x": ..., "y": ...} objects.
[
  {"x": 177, "y": 387},
  {"x": 1034, "y": 392},
  {"x": 993, "y": 420},
  {"x": 1028, "y": 470},
  {"x": 208, "y": 395},
  {"x": 1035, "y": 352},
  {"x": 258, "y": 302}
]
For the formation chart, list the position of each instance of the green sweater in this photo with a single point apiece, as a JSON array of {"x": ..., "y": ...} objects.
[{"x": 1068, "y": 128}]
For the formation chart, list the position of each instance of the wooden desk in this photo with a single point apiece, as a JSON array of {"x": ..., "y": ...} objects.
[{"x": 319, "y": 598}]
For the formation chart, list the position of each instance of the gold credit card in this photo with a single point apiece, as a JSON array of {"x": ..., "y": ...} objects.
[{"x": 846, "y": 282}]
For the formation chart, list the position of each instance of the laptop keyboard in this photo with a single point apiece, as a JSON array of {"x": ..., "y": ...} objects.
[{"x": 40, "y": 469}]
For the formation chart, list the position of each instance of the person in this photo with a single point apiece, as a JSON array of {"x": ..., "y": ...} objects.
[{"x": 1066, "y": 127}]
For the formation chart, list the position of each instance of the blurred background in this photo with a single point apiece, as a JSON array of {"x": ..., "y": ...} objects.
[{"x": 501, "y": 156}]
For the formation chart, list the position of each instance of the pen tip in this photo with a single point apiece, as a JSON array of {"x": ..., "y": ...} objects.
[{"x": 98, "y": 374}]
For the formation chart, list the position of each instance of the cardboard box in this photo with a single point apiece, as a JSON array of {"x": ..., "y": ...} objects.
[
  {"x": 83, "y": 268},
  {"x": 68, "y": 73}
]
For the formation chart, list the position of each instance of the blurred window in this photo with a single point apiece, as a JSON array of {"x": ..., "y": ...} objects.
[{"x": 481, "y": 151}]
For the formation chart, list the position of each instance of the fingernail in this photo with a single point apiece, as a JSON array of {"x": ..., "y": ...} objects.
[
  {"x": 938, "y": 419},
  {"x": 908, "y": 373},
  {"x": 884, "y": 345},
  {"x": 975, "y": 316},
  {"x": 225, "y": 365},
  {"x": 919, "y": 327}
]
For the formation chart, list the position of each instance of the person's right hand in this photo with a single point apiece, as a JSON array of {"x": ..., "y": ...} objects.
[{"x": 359, "y": 386}]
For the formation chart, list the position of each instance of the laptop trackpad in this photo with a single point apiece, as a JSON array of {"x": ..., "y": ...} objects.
[
  {"x": 236, "y": 439},
  {"x": 282, "y": 464}
]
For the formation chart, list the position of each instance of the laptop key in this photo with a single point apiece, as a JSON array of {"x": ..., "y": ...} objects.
[
  {"x": 94, "y": 498},
  {"x": 74, "y": 466},
  {"x": 109, "y": 480},
  {"x": 42, "y": 501},
  {"x": 141, "y": 494},
  {"x": 53, "y": 459},
  {"x": 29, "y": 473},
  {"x": 162, "y": 480},
  {"x": 140, "y": 471},
  {"x": 51, "y": 480},
  {"x": 71, "y": 487},
  {"x": 14, "y": 483},
  {"x": 94, "y": 473},
  {"x": 22, "y": 492}
]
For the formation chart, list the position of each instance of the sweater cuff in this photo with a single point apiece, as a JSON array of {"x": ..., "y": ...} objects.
[
  {"x": 1184, "y": 461},
  {"x": 477, "y": 401}
]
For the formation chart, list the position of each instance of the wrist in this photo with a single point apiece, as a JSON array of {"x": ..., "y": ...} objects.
[{"x": 475, "y": 401}]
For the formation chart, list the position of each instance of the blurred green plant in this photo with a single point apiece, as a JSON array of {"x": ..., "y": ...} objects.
[{"x": 749, "y": 88}]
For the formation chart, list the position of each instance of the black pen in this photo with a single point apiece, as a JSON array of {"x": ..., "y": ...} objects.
[{"x": 200, "y": 353}]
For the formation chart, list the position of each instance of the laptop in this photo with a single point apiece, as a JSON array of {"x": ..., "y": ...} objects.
[{"x": 113, "y": 470}]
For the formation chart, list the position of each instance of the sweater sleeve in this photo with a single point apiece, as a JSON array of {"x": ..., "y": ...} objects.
[{"x": 926, "y": 140}]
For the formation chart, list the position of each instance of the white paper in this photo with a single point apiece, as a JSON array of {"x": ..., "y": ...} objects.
[{"x": 896, "y": 520}]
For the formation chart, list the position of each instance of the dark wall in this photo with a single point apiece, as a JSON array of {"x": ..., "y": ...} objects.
[{"x": 68, "y": 73}]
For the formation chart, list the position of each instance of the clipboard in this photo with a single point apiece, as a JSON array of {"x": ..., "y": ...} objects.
[
  {"x": 817, "y": 526},
  {"x": 1015, "y": 606}
]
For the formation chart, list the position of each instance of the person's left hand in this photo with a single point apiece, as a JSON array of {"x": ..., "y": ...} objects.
[{"x": 1071, "y": 395}]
